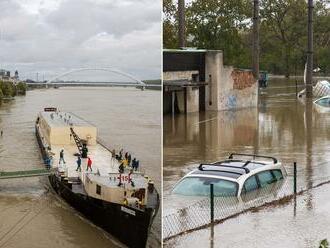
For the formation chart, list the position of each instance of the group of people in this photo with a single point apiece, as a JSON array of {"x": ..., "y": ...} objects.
[
  {"x": 125, "y": 160},
  {"x": 79, "y": 159},
  {"x": 89, "y": 163},
  {"x": 84, "y": 151}
]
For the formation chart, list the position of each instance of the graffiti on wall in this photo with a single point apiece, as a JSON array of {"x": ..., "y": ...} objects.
[
  {"x": 242, "y": 79},
  {"x": 231, "y": 101}
]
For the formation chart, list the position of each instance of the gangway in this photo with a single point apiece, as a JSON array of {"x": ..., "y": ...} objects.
[{"x": 25, "y": 173}]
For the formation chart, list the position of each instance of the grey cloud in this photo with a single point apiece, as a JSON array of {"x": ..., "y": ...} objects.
[{"x": 124, "y": 34}]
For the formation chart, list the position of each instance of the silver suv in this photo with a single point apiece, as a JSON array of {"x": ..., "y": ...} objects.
[{"x": 232, "y": 177}]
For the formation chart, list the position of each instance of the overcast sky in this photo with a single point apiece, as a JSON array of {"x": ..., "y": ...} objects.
[{"x": 53, "y": 36}]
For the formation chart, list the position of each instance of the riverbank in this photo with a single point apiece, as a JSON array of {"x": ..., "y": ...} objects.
[{"x": 8, "y": 89}]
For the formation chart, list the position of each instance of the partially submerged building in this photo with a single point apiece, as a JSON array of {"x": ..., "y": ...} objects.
[{"x": 197, "y": 80}]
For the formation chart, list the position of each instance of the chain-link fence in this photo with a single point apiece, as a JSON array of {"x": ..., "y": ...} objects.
[{"x": 200, "y": 214}]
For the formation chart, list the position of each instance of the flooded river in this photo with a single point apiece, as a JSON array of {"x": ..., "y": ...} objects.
[
  {"x": 281, "y": 126},
  {"x": 33, "y": 217}
]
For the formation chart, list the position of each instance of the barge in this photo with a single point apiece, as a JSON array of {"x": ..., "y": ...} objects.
[{"x": 112, "y": 194}]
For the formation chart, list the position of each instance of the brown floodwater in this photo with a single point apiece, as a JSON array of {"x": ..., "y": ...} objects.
[
  {"x": 292, "y": 225},
  {"x": 282, "y": 126},
  {"x": 33, "y": 217}
]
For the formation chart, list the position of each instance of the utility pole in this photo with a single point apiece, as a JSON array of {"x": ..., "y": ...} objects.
[
  {"x": 181, "y": 18},
  {"x": 256, "y": 39},
  {"x": 255, "y": 52},
  {"x": 309, "y": 73},
  {"x": 255, "y": 59}
]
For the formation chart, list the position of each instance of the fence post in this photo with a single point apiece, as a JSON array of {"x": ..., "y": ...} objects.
[
  {"x": 212, "y": 202},
  {"x": 295, "y": 177},
  {"x": 296, "y": 88}
]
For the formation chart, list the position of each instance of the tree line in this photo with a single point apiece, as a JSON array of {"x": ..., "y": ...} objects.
[
  {"x": 227, "y": 25},
  {"x": 9, "y": 89}
]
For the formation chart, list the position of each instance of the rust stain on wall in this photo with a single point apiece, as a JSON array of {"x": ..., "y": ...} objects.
[{"x": 242, "y": 79}]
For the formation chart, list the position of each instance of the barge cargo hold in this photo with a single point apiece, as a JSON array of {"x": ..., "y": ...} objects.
[{"x": 114, "y": 196}]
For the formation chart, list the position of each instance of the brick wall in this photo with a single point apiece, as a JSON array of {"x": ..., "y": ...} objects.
[{"x": 242, "y": 79}]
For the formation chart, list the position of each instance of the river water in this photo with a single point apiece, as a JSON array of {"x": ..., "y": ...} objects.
[
  {"x": 33, "y": 217},
  {"x": 281, "y": 126}
]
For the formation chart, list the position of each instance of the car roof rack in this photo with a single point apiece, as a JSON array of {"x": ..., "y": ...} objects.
[
  {"x": 231, "y": 156},
  {"x": 246, "y": 170},
  {"x": 236, "y": 160},
  {"x": 232, "y": 172}
]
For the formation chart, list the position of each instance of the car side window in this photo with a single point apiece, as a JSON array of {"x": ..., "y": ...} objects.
[
  {"x": 250, "y": 184},
  {"x": 278, "y": 174},
  {"x": 265, "y": 178}
]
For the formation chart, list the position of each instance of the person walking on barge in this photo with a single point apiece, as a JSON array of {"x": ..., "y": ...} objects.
[
  {"x": 84, "y": 151},
  {"x": 61, "y": 157},
  {"x": 89, "y": 164},
  {"x": 129, "y": 159},
  {"x": 78, "y": 163}
]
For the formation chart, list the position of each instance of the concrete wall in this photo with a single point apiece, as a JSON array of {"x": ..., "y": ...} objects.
[
  {"x": 213, "y": 72},
  {"x": 228, "y": 88},
  {"x": 192, "y": 95},
  {"x": 192, "y": 99},
  {"x": 178, "y": 75}
]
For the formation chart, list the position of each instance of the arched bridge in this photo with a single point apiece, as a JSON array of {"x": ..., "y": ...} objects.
[{"x": 136, "y": 82}]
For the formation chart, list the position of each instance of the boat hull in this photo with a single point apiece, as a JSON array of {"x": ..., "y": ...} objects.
[{"x": 130, "y": 226}]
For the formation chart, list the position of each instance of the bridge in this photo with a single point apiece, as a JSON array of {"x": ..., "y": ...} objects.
[
  {"x": 136, "y": 82},
  {"x": 25, "y": 173}
]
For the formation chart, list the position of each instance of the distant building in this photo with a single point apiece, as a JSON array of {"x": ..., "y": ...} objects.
[
  {"x": 5, "y": 75},
  {"x": 16, "y": 75}
]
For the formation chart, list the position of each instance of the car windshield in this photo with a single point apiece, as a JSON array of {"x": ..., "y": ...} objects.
[
  {"x": 200, "y": 186},
  {"x": 325, "y": 102}
]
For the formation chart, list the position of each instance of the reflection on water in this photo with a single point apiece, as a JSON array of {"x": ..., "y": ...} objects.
[
  {"x": 281, "y": 126},
  {"x": 124, "y": 117}
]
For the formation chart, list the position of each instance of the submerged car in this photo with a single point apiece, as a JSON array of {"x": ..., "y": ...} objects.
[
  {"x": 323, "y": 104},
  {"x": 231, "y": 177}
]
